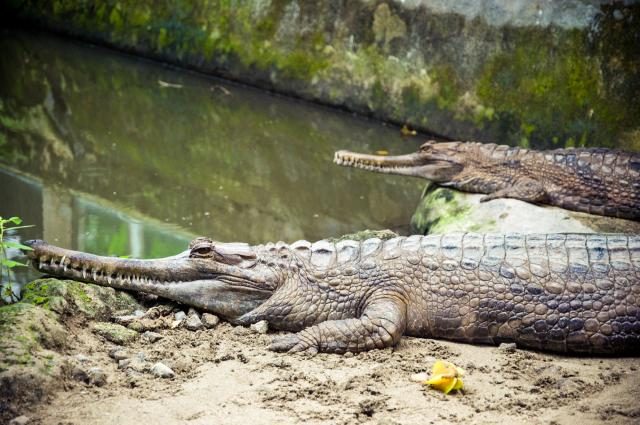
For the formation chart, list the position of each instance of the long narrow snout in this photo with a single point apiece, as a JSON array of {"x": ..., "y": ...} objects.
[
  {"x": 197, "y": 282},
  {"x": 416, "y": 164},
  {"x": 111, "y": 271}
]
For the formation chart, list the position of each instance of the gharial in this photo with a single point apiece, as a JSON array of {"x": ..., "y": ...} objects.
[
  {"x": 592, "y": 180},
  {"x": 570, "y": 293}
]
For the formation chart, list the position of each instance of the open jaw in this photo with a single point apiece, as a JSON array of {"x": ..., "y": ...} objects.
[
  {"x": 416, "y": 164},
  {"x": 203, "y": 283}
]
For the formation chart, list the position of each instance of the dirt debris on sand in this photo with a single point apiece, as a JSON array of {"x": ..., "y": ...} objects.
[{"x": 226, "y": 375}]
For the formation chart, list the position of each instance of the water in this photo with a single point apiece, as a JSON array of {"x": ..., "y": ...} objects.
[{"x": 115, "y": 155}]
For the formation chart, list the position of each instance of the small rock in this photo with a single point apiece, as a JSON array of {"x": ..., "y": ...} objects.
[
  {"x": 97, "y": 377},
  {"x": 146, "y": 324},
  {"x": 79, "y": 373},
  {"x": 162, "y": 371},
  {"x": 618, "y": 15},
  {"x": 210, "y": 320},
  {"x": 507, "y": 347},
  {"x": 119, "y": 353},
  {"x": 175, "y": 324},
  {"x": 115, "y": 333},
  {"x": 348, "y": 354},
  {"x": 126, "y": 319},
  {"x": 81, "y": 358},
  {"x": 136, "y": 363},
  {"x": 133, "y": 378},
  {"x": 152, "y": 337},
  {"x": 260, "y": 327},
  {"x": 193, "y": 322},
  {"x": 20, "y": 420},
  {"x": 180, "y": 316}
]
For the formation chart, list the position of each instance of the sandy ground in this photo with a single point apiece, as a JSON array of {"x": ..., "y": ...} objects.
[{"x": 227, "y": 375}]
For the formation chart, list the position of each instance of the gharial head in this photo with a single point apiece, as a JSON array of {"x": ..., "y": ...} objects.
[
  {"x": 229, "y": 279},
  {"x": 438, "y": 162}
]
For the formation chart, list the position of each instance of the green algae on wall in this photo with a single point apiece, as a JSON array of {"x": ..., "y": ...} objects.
[{"x": 558, "y": 81}]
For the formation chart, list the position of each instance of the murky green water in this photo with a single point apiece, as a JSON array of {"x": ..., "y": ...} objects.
[{"x": 114, "y": 155}]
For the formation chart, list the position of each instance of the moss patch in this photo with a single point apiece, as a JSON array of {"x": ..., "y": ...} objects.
[
  {"x": 438, "y": 210},
  {"x": 25, "y": 332},
  {"x": 538, "y": 85},
  {"x": 115, "y": 333},
  {"x": 66, "y": 296}
]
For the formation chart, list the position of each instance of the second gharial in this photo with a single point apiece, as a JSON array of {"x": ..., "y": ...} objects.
[{"x": 592, "y": 180}]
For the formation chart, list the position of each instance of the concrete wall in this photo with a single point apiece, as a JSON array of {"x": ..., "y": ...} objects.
[{"x": 542, "y": 73}]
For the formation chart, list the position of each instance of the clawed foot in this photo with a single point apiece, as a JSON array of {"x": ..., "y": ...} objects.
[
  {"x": 293, "y": 343},
  {"x": 490, "y": 197}
]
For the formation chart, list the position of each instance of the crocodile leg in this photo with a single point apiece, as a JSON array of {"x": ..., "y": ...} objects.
[
  {"x": 381, "y": 325},
  {"x": 524, "y": 189}
]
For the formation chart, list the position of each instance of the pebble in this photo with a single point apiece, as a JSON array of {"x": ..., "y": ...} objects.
[
  {"x": 507, "y": 347},
  {"x": 210, "y": 320},
  {"x": 193, "y": 322},
  {"x": 136, "y": 363},
  {"x": 618, "y": 15},
  {"x": 81, "y": 358},
  {"x": 119, "y": 353},
  {"x": 97, "y": 377},
  {"x": 162, "y": 371},
  {"x": 20, "y": 420},
  {"x": 260, "y": 327},
  {"x": 128, "y": 318},
  {"x": 152, "y": 336},
  {"x": 133, "y": 378},
  {"x": 79, "y": 374},
  {"x": 180, "y": 316}
]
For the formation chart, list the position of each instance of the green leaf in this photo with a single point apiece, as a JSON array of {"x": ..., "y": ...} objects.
[
  {"x": 11, "y": 264},
  {"x": 15, "y": 220},
  {"x": 17, "y": 245}
]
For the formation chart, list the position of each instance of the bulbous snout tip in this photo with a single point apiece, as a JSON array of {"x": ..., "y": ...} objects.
[{"x": 33, "y": 244}]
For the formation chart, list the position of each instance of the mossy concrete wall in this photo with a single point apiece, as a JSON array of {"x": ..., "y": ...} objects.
[{"x": 550, "y": 73}]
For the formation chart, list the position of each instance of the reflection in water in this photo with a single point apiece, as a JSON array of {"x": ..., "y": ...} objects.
[{"x": 99, "y": 132}]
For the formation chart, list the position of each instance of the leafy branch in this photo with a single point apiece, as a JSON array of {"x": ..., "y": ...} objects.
[{"x": 11, "y": 223}]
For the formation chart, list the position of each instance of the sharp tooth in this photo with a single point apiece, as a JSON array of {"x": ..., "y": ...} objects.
[
  {"x": 52, "y": 262},
  {"x": 109, "y": 280},
  {"x": 40, "y": 264},
  {"x": 84, "y": 273},
  {"x": 95, "y": 275}
]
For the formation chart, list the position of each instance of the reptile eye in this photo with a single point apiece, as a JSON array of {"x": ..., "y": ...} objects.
[{"x": 202, "y": 251}]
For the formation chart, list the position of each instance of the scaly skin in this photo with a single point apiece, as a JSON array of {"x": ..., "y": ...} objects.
[
  {"x": 596, "y": 181},
  {"x": 569, "y": 293}
]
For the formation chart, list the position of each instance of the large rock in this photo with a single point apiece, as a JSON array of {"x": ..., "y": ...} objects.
[
  {"x": 32, "y": 336},
  {"x": 67, "y": 296},
  {"x": 554, "y": 73},
  {"x": 444, "y": 210}
]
